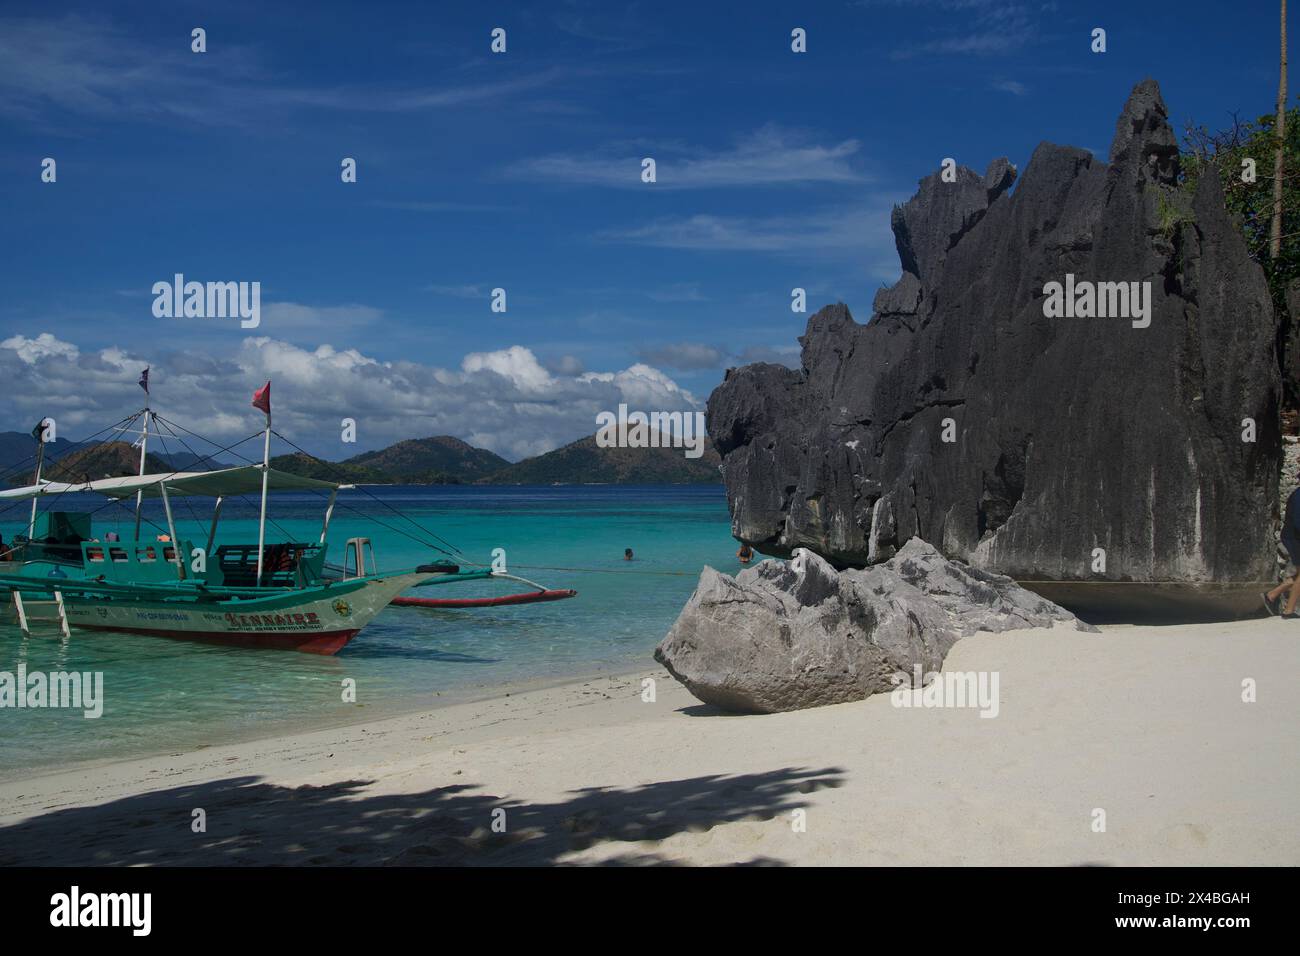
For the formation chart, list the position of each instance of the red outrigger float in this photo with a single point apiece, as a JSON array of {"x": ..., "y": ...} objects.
[{"x": 528, "y": 597}]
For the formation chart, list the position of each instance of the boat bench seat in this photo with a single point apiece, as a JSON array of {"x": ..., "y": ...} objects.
[{"x": 238, "y": 564}]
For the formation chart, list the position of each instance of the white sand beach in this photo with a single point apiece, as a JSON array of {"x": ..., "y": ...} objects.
[{"x": 1145, "y": 723}]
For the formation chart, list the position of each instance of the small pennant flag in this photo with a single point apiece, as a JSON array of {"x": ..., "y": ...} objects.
[
  {"x": 262, "y": 399},
  {"x": 144, "y": 381}
]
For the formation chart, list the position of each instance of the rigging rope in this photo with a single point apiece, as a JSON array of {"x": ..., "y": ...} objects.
[
  {"x": 330, "y": 465},
  {"x": 172, "y": 428},
  {"x": 197, "y": 459},
  {"x": 121, "y": 426},
  {"x": 338, "y": 504},
  {"x": 170, "y": 425},
  {"x": 4, "y": 472}
]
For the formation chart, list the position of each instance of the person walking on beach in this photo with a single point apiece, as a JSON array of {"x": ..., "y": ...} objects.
[{"x": 1291, "y": 541}]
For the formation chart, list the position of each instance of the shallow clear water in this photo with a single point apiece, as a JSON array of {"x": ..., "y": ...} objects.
[{"x": 163, "y": 696}]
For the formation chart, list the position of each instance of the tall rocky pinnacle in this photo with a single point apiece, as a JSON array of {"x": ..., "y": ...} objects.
[{"x": 1070, "y": 434}]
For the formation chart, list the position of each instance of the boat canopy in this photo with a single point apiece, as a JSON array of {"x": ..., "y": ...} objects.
[{"x": 244, "y": 479}]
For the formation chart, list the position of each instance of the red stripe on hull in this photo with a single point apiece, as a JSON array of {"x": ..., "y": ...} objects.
[{"x": 328, "y": 643}]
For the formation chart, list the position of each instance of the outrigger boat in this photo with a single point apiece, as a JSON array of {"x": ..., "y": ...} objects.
[{"x": 265, "y": 595}]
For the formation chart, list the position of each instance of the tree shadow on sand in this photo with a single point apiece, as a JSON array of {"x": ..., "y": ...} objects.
[{"x": 250, "y": 822}]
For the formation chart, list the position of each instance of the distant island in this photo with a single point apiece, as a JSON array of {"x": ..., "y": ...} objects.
[
  {"x": 584, "y": 462},
  {"x": 439, "y": 460}
]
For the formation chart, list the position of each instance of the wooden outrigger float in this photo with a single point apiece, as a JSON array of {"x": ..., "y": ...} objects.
[{"x": 281, "y": 595}]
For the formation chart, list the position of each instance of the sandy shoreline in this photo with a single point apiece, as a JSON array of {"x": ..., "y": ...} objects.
[
  {"x": 1145, "y": 723},
  {"x": 282, "y": 729}
]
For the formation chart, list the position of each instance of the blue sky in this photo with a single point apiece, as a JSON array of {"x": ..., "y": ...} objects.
[{"x": 519, "y": 171}]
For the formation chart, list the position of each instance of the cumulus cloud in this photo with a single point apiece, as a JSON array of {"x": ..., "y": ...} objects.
[
  {"x": 644, "y": 387},
  {"x": 565, "y": 365},
  {"x": 517, "y": 364},
  {"x": 505, "y": 400},
  {"x": 44, "y": 345}
]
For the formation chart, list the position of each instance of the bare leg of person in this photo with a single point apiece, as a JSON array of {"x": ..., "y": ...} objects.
[{"x": 1293, "y": 596}]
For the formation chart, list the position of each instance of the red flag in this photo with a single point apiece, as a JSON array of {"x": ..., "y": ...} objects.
[{"x": 262, "y": 398}]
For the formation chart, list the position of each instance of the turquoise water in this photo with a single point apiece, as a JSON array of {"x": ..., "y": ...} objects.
[{"x": 165, "y": 696}]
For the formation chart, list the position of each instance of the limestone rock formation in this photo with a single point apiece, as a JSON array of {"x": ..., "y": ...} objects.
[
  {"x": 1067, "y": 434},
  {"x": 788, "y": 635}
]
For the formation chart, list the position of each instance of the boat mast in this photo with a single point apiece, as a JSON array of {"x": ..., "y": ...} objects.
[
  {"x": 262, "y": 400},
  {"x": 212, "y": 532},
  {"x": 144, "y": 446},
  {"x": 171, "y": 533},
  {"x": 329, "y": 512},
  {"x": 40, "y": 460}
]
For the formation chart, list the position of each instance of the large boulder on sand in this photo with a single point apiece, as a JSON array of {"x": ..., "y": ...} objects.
[{"x": 784, "y": 636}]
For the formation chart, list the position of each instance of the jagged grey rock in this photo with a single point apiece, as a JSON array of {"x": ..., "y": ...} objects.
[
  {"x": 1290, "y": 344},
  {"x": 784, "y": 636},
  {"x": 1072, "y": 434}
]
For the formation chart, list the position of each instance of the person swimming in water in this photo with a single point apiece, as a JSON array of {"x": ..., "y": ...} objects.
[
  {"x": 745, "y": 553},
  {"x": 627, "y": 554}
]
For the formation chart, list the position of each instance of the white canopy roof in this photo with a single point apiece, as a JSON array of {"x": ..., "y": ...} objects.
[{"x": 226, "y": 481}]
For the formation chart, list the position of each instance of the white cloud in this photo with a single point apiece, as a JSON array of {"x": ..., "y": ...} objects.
[
  {"x": 645, "y": 387},
  {"x": 1014, "y": 87},
  {"x": 503, "y": 400},
  {"x": 302, "y": 367},
  {"x": 43, "y": 346},
  {"x": 565, "y": 365},
  {"x": 459, "y": 291},
  {"x": 516, "y": 363},
  {"x": 769, "y": 156},
  {"x": 90, "y": 67},
  {"x": 789, "y": 234},
  {"x": 974, "y": 27},
  {"x": 853, "y": 233}
]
